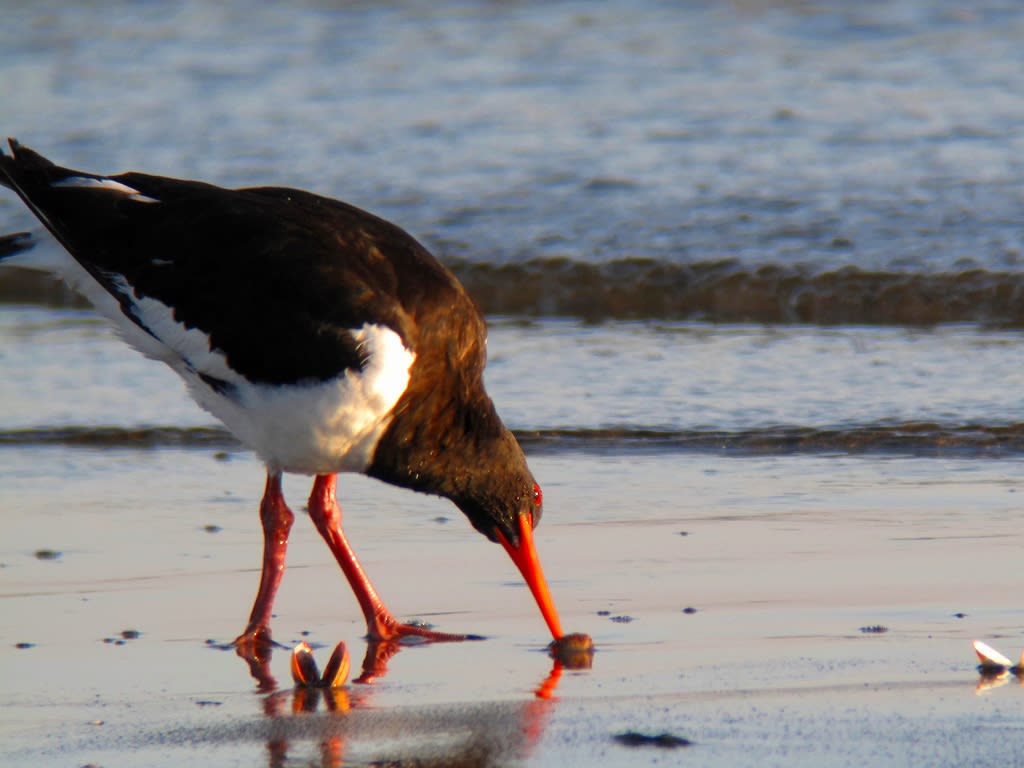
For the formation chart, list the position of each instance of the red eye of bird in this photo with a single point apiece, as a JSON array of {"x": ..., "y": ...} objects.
[{"x": 538, "y": 497}]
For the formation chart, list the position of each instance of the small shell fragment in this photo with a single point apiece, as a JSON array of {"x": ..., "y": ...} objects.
[
  {"x": 336, "y": 671},
  {"x": 304, "y": 670},
  {"x": 991, "y": 659}
]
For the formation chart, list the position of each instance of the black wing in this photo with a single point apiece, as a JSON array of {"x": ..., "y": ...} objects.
[{"x": 277, "y": 278}]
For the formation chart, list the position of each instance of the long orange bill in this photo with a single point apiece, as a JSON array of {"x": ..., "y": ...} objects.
[{"x": 526, "y": 560}]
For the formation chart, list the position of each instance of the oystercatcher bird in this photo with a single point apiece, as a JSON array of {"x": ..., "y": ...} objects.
[{"x": 325, "y": 338}]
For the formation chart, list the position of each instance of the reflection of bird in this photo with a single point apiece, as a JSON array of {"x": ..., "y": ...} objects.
[{"x": 326, "y": 339}]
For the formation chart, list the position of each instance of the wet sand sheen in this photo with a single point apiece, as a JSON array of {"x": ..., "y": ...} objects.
[{"x": 784, "y": 559}]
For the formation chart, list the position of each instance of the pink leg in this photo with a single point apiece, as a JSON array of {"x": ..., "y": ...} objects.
[
  {"x": 380, "y": 624},
  {"x": 277, "y": 522}
]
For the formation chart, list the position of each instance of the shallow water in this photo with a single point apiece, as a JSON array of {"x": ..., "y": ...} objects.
[
  {"x": 564, "y": 385},
  {"x": 752, "y": 271}
]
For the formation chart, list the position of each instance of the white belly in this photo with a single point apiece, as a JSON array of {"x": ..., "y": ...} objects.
[{"x": 316, "y": 427}]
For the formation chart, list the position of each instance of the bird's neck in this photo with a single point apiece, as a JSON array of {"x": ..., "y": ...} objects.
[{"x": 451, "y": 447}]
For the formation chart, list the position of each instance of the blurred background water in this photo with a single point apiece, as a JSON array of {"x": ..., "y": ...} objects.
[{"x": 751, "y": 224}]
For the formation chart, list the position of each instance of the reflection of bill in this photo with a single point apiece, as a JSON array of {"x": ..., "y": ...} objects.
[{"x": 575, "y": 651}]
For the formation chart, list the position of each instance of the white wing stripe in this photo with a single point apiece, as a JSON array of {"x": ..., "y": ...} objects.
[{"x": 85, "y": 182}]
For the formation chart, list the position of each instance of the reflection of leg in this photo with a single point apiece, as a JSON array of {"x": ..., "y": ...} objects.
[
  {"x": 380, "y": 624},
  {"x": 258, "y": 659},
  {"x": 375, "y": 662},
  {"x": 277, "y": 523}
]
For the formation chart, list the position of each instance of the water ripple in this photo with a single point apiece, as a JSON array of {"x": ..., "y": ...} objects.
[
  {"x": 907, "y": 438},
  {"x": 712, "y": 291}
]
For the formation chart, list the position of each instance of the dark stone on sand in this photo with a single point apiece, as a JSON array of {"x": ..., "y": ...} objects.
[
  {"x": 689, "y": 609},
  {"x": 24, "y": 646},
  {"x": 959, "y": 615},
  {"x": 131, "y": 634},
  {"x": 604, "y": 613},
  {"x": 874, "y": 629},
  {"x": 622, "y": 619},
  {"x": 212, "y": 528},
  {"x": 47, "y": 554},
  {"x": 661, "y": 740}
]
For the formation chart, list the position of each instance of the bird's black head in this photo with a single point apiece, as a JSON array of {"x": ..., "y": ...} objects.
[{"x": 497, "y": 513}]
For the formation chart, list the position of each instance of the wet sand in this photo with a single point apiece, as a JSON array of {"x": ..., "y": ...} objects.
[{"x": 784, "y": 559}]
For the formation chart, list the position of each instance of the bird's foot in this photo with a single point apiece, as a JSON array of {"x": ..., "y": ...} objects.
[
  {"x": 254, "y": 643},
  {"x": 387, "y": 629}
]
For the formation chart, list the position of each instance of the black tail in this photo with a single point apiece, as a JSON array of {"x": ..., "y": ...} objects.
[
  {"x": 16, "y": 243},
  {"x": 23, "y": 171},
  {"x": 19, "y": 241}
]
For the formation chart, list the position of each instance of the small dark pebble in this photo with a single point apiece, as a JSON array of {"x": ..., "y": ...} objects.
[
  {"x": 119, "y": 642},
  {"x": 689, "y": 609},
  {"x": 47, "y": 554},
  {"x": 604, "y": 613},
  {"x": 662, "y": 740},
  {"x": 305, "y": 633},
  {"x": 23, "y": 646},
  {"x": 131, "y": 634},
  {"x": 212, "y": 528},
  {"x": 959, "y": 615},
  {"x": 211, "y": 641},
  {"x": 441, "y": 519},
  {"x": 874, "y": 629},
  {"x": 222, "y": 456},
  {"x": 205, "y": 703},
  {"x": 622, "y": 619},
  {"x": 108, "y": 640},
  {"x": 684, "y": 533}
]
